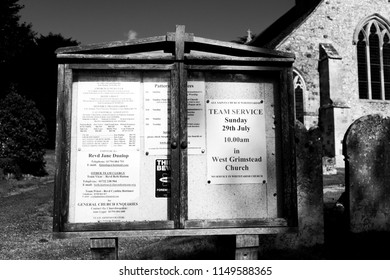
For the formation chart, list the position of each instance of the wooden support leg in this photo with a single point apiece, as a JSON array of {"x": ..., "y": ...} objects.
[
  {"x": 247, "y": 247},
  {"x": 104, "y": 248}
]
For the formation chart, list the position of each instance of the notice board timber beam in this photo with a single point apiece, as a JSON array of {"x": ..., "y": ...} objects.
[{"x": 174, "y": 135}]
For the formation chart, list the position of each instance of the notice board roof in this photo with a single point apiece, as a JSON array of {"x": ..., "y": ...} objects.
[{"x": 166, "y": 48}]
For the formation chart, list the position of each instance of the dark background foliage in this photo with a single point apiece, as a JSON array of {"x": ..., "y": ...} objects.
[
  {"x": 22, "y": 135},
  {"x": 28, "y": 63},
  {"x": 28, "y": 92}
]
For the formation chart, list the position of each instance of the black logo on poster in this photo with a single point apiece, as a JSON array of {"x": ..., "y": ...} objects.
[{"x": 163, "y": 178}]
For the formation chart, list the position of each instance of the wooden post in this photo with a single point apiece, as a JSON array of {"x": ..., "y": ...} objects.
[
  {"x": 104, "y": 248},
  {"x": 247, "y": 247}
]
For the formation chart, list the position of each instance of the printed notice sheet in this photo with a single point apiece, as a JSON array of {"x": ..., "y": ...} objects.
[
  {"x": 196, "y": 117},
  {"x": 157, "y": 116},
  {"x": 236, "y": 141},
  {"x": 107, "y": 160}
]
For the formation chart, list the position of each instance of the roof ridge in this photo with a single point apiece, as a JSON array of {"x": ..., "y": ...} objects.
[{"x": 283, "y": 26}]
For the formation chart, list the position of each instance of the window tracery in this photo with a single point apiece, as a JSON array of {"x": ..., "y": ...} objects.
[{"x": 373, "y": 59}]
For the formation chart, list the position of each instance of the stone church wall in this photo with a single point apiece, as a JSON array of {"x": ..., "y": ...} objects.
[{"x": 334, "y": 22}]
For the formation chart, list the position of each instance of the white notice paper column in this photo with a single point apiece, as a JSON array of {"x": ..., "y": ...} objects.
[
  {"x": 157, "y": 116},
  {"x": 236, "y": 141},
  {"x": 196, "y": 118},
  {"x": 107, "y": 150}
]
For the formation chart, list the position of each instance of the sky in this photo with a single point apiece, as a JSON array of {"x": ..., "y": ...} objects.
[{"x": 98, "y": 21}]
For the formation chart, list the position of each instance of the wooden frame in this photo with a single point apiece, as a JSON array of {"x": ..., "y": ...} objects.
[{"x": 180, "y": 55}]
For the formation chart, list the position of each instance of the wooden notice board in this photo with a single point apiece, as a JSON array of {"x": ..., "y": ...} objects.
[{"x": 174, "y": 135}]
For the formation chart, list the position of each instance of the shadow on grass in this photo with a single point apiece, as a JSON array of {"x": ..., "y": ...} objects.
[{"x": 341, "y": 244}]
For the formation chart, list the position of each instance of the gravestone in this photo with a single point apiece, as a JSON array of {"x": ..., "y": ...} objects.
[
  {"x": 309, "y": 185},
  {"x": 367, "y": 159},
  {"x": 309, "y": 190}
]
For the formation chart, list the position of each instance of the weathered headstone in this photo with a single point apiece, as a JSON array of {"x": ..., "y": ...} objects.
[
  {"x": 310, "y": 191},
  {"x": 367, "y": 157},
  {"x": 309, "y": 183}
]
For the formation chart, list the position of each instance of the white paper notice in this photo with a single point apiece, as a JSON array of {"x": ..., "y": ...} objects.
[
  {"x": 157, "y": 116},
  {"x": 107, "y": 159},
  {"x": 236, "y": 141},
  {"x": 196, "y": 117},
  {"x": 107, "y": 186}
]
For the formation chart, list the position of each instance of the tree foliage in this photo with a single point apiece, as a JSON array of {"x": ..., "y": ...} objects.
[
  {"x": 16, "y": 37},
  {"x": 22, "y": 134},
  {"x": 28, "y": 62},
  {"x": 46, "y": 73},
  {"x": 16, "y": 43},
  {"x": 28, "y": 67}
]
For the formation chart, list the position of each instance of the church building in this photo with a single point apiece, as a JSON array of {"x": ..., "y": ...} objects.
[{"x": 342, "y": 67}]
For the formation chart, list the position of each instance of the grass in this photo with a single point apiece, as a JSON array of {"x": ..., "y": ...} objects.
[
  {"x": 26, "y": 220},
  {"x": 336, "y": 179}
]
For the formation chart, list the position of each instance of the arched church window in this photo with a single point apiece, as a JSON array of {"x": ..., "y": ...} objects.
[
  {"x": 372, "y": 40},
  {"x": 299, "y": 89}
]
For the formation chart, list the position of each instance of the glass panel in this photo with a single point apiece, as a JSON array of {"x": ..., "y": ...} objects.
[
  {"x": 234, "y": 175},
  {"x": 362, "y": 69},
  {"x": 299, "y": 104},
  {"x": 113, "y": 153},
  {"x": 375, "y": 64},
  {"x": 386, "y": 66}
]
